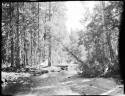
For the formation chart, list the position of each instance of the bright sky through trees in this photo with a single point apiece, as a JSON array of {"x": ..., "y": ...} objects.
[{"x": 75, "y": 11}]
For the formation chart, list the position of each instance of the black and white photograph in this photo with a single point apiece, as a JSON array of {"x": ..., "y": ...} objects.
[{"x": 52, "y": 48}]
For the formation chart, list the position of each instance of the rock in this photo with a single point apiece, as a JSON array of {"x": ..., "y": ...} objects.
[{"x": 55, "y": 69}]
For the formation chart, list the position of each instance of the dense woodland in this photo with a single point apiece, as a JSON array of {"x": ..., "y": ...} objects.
[{"x": 34, "y": 33}]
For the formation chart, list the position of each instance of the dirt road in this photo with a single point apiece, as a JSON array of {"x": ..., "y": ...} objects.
[{"x": 63, "y": 83}]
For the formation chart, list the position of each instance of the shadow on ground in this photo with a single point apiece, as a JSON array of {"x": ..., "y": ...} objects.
[
  {"x": 55, "y": 82},
  {"x": 21, "y": 84}
]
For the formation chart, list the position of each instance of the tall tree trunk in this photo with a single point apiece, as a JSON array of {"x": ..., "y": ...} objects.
[
  {"x": 113, "y": 58},
  {"x": 44, "y": 37},
  {"x": 17, "y": 42},
  {"x": 25, "y": 58},
  {"x": 31, "y": 46},
  {"x": 8, "y": 38},
  {"x": 11, "y": 35},
  {"x": 38, "y": 36},
  {"x": 24, "y": 44},
  {"x": 108, "y": 35},
  {"x": 34, "y": 38},
  {"x": 49, "y": 57},
  {"x": 105, "y": 32},
  {"x": 24, "y": 49}
]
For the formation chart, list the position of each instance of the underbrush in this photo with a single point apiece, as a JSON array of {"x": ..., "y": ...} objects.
[
  {"x": 8, "y": 77},
  {"x": 93, "y": 70},
  {"x": 11, "y": 75}
]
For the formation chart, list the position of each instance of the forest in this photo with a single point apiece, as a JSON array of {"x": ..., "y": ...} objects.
[{"x": 34, "y": 39}]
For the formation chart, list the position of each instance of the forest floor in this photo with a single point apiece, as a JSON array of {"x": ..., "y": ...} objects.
[{"x": 58, "y": 83}]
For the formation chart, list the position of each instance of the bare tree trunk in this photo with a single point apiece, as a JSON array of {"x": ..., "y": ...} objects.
[
  {"x": 104, "y": 31},
  {"x": 11, "y": 35},
  {"x": 38, "y": 36},
  {"x": 17, "y": 42},
  {"x": 49, "y": 57},
  {"x": 24, "y": 50},
  {"x": 31, "y": 47},
  {"x": 113, "y": 59},
  {"x": 108, "y": 35},
  {"x": 25, "y": 58},
  {"x": 44, "y": 36}
]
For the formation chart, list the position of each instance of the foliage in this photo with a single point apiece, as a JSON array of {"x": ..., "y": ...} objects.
[
  {"x": 35, "y": 33},
  {"x": 101, "y": 38},
  {"x": 26, "y": 31}
]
